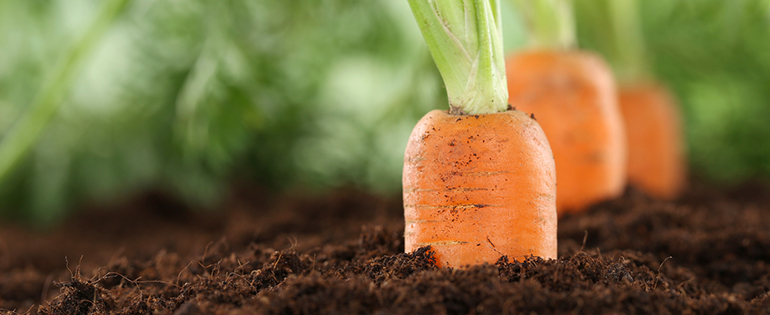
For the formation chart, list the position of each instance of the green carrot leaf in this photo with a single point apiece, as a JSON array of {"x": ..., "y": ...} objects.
[
  {"x": 551, "y": 23},
  {"x": 629, "y": 51},
  {"x": 465, "y": 39}
]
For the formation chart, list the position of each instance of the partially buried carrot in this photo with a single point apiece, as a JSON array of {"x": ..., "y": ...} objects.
[
  {"x": 656, "y": 159},
  {"x": 655, "y": 153},
  {"x": 479, "y": 180},
  {"x": 573, "y": 96},
  {"x": 477, "y": 187}
]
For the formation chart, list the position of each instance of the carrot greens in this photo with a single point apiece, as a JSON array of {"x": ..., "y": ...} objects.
[
  {"x": 551, "y": 23},
  {"x": 465, "y": 39},
  {"x": 628, "y": 43}
]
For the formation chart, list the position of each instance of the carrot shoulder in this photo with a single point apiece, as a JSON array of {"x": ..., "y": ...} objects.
[
  {"x": 656, "y": 161},
  {"x": 573, "y": 96},
  {"x": 477, "y": 187}
]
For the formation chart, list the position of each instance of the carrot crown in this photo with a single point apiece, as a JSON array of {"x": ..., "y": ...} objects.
[
  {"x": 465, "y": 40},
  {"x": 551, "y": 23}
]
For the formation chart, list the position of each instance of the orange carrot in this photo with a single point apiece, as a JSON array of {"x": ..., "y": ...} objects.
[
  {"x": 573, "y": 96},
  {"x": 656, "y": 162},
  {"x": 655, "y": 156},
  {"x": 477, "y": 187},
  {"x": 479, "y": 180}
]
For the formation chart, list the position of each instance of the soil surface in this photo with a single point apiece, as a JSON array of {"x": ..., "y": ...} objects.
[{"x": 708, "y": 252}]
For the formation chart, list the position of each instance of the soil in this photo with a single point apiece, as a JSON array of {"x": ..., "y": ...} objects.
[{"x": 708, "y": 252}]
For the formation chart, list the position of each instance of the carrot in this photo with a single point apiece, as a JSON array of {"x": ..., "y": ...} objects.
[
  {"x": 477, "y": 187},
  {"x": 573, "y": 96},
  {"x": 655, "y": 152},
  {"x": 479, "y": 180},
  {"x": 656, "y": 161}
]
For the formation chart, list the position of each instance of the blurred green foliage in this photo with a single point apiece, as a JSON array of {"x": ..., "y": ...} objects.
[
  {"x": 188, "y": 95},
  {"x": 715, "y": 56}
]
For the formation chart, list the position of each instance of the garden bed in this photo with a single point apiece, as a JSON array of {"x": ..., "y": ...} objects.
[{"x": 342, "y": 253}]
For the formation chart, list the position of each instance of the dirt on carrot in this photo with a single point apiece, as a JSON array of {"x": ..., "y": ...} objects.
[
  {"x": 479, "y": 186},
  {"x": 656, "y": 161},
  {"x": 343, "y": 253},
  {"x": 573, "y": 96}
]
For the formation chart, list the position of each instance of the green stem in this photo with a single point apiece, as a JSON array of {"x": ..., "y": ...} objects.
[
  {"x": 551, "y": 23},
  {"x": 20, "y": 139},
  {"x": 465, "y": 40},
  {"x": 628, "y": 44}
]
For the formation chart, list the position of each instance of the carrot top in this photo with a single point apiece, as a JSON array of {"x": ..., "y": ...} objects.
[
  {"x": 616, "y": 30},
  {"x": 551, "y": 23},
  {"x": 465, "y": 40},
  {"x": 628, "y": 55}
]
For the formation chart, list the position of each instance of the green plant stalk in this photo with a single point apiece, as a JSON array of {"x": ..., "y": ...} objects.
[
  {"x": 628, "y": 40},
  {"x": 25, "y": 133},
  {"x": 551, "y": 23},
  {"x": 465, "y": 40}
]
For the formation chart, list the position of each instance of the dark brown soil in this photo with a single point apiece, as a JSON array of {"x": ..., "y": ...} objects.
[{"x": 342, "y": 254}]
